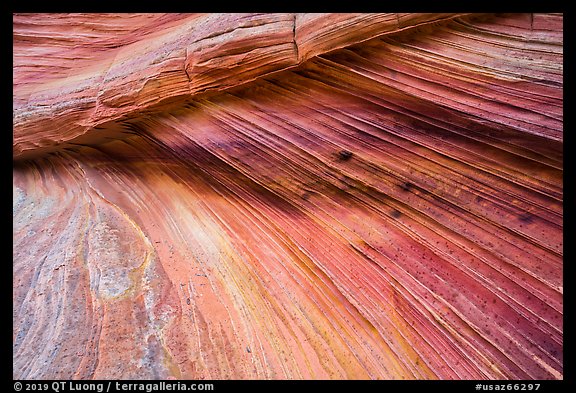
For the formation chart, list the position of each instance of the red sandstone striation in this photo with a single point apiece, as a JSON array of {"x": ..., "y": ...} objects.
[
  {"x": 73, "y": 74},
  {"x": 288, "y": 196}
]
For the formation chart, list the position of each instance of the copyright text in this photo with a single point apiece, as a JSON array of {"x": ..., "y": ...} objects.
[{"x": 100, "y": 387}]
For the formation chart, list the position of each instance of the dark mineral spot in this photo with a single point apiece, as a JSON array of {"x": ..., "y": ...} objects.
[
  {"x": 407, "y": 186},
  {"x": 395, "y": 213},
  {"x": 526, "y": 217},
  {"x": 345, "y": 155}
]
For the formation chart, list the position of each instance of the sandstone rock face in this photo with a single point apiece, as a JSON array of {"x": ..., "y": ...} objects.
[{"x": 288, "y": 196}]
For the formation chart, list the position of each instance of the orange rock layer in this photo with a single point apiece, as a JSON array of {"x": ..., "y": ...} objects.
[
  {"x": 391, "y": 209},
  {"x": 74, "y": 74}
]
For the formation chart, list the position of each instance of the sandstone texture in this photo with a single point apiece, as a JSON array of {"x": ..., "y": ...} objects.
[{"x": 288, "y": 196}]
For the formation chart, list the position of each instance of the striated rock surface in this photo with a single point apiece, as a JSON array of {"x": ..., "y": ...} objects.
[
  {"x": 97, "y": 68},
  {"x": 283, "y": 196}
]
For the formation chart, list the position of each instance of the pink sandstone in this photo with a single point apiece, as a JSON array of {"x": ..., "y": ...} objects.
[{"x": 288, "y": 196}]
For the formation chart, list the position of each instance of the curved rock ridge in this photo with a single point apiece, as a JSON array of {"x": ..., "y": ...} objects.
[
  {"x": 78, "y": 73},
  {"x": 388, "y": 210}
]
